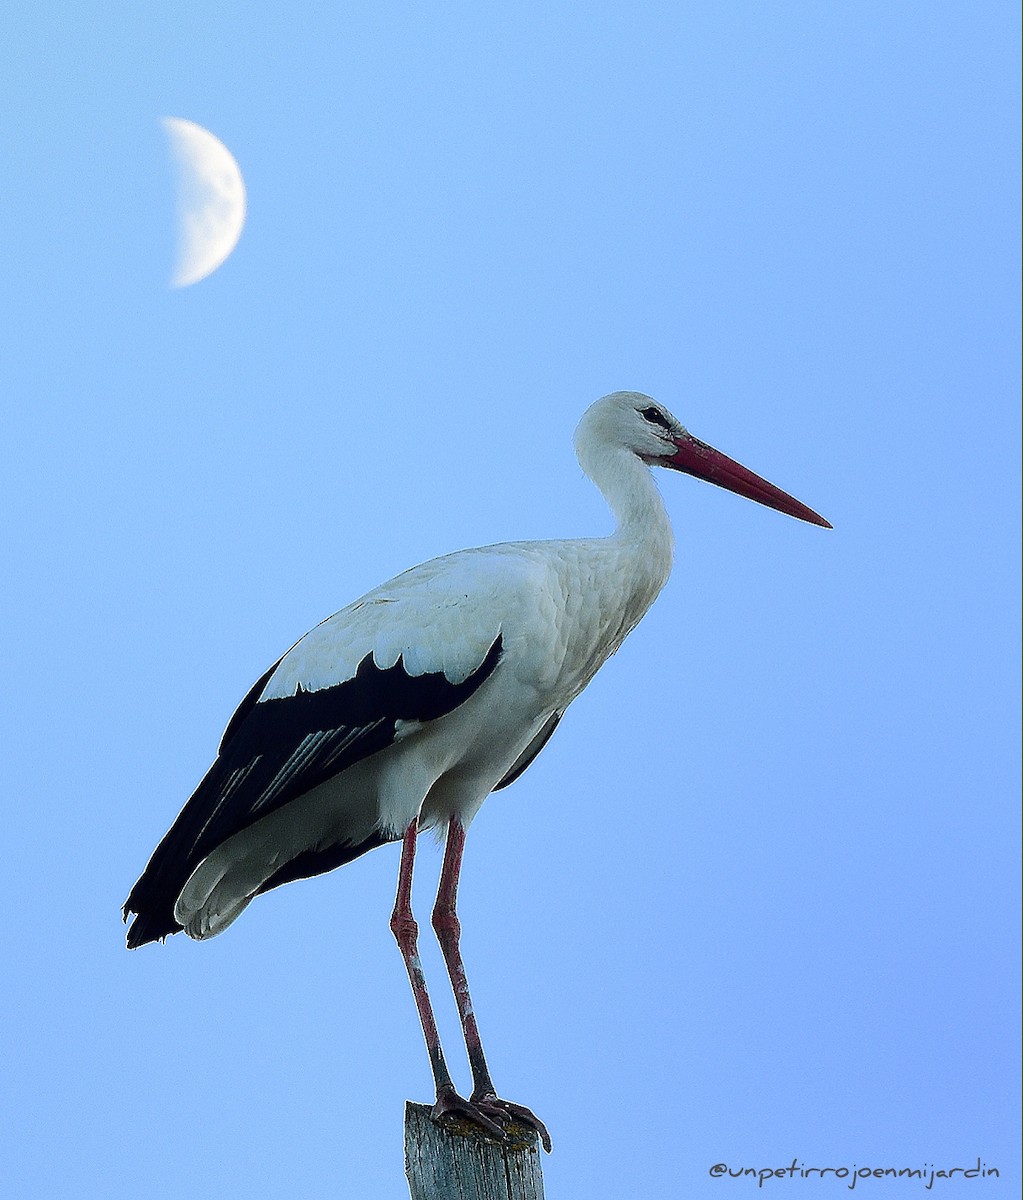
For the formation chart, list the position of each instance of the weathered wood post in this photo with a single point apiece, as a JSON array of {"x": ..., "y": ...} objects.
[{"x": 458, "y": 1161}]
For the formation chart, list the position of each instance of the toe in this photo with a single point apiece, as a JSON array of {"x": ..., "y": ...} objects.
[{"x": 505, "y": 1110}]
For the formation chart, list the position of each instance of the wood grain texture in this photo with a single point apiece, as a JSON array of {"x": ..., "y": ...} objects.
[{"x": 457, "y": 1161}]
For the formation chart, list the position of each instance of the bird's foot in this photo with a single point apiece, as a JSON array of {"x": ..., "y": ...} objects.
[
  {"x": 507, "y": 1113},
  {"x": 451, "y": 1108},
  {"x": 494, "y": 1116}
]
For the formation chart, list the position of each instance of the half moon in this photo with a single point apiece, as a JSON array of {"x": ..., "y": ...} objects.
[{"x": 211, "y": 200}]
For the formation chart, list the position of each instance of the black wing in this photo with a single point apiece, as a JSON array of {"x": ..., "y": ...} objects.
[
  {"x": 278, "y": 749},
  {"x": 531, "y": 751}
]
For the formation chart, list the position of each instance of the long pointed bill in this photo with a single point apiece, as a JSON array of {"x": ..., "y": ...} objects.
[{"x": 696, "y": 458}]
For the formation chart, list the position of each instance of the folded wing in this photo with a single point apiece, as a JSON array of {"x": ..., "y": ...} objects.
[{"x": 277, "y": 748}]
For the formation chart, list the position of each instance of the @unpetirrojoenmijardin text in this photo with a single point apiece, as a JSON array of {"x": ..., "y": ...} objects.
[{"x": 928, "y": 1174}]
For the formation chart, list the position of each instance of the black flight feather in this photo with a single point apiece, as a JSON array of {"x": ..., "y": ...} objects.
[{"x": 276, "y": 750}]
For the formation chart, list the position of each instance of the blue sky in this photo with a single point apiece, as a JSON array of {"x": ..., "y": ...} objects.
[{"x": 757, "y": 900}]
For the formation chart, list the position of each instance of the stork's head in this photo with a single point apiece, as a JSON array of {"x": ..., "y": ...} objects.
[{"x": 632, "y": 421}]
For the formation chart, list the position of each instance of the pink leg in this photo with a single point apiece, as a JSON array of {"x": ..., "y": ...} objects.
[
  {"x": 446, "y": 924},
  {"x": 406, "y": 933}
]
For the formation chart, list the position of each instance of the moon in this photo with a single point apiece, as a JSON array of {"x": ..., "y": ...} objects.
[{"x": 211, "y": 200}]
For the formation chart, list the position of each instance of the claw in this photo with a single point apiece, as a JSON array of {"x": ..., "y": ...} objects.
[
  {"x": 506, "y": 1111},
  {"x": 452, "y": 1107}
]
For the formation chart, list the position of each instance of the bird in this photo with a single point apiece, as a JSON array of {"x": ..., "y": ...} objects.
[{"x": 403, "y": 711}]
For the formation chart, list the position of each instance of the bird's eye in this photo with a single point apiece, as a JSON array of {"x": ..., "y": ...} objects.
[{"x": 656, "y": 417}]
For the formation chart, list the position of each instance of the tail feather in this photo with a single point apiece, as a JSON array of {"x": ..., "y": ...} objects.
[{"x": 202, "y": 892}]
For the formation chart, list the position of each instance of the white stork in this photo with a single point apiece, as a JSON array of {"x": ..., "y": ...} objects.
[{"x": 406, "y": 709}]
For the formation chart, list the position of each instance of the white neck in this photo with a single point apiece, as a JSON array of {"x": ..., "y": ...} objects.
[{"x": 642, "y": 544}]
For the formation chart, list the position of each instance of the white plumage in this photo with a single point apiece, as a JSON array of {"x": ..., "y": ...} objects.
[{"x": 407, "y": 708}]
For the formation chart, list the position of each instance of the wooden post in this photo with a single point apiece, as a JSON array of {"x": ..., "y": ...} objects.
[{"x": 458, "y": 1161}]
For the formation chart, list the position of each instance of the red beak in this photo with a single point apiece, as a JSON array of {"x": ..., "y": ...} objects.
[{"x": 704, "y": 462}]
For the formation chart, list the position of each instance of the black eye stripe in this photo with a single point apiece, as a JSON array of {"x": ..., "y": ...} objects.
[{"x": 656, "y": 417}]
